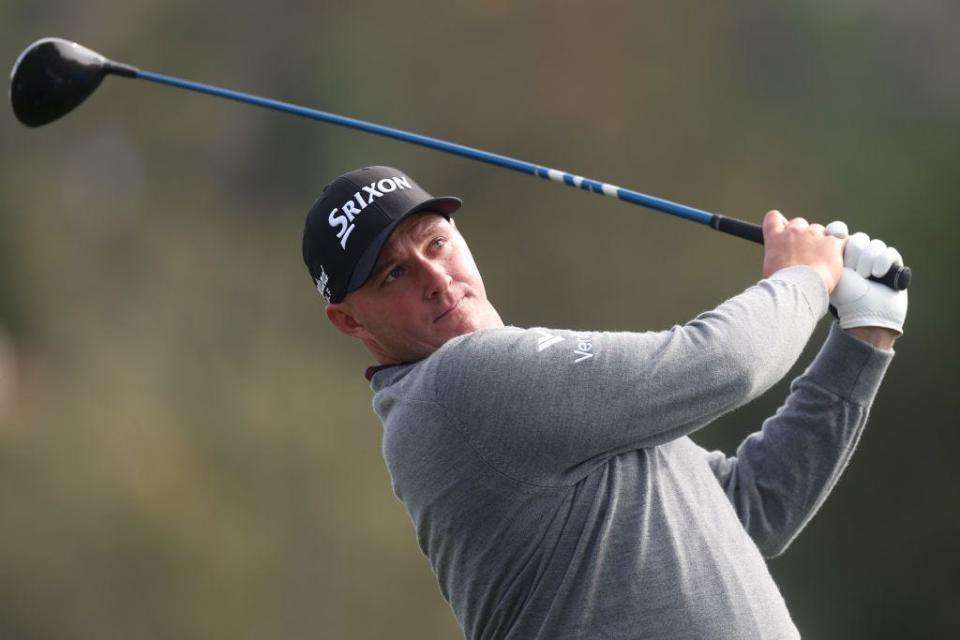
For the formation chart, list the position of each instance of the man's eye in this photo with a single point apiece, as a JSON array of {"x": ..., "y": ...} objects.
[
  {"x": 439, "y": 243},
  {"x": 393, "y": 274}
]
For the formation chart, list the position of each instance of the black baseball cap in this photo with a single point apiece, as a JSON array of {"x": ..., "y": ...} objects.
[{"x": 349, "y": 224}]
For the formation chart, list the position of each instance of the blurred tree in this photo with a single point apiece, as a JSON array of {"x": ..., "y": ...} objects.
[{"x": 191, "y": 450}]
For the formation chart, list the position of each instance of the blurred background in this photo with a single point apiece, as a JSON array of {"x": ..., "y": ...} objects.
[{"x": 187, "y": 449}]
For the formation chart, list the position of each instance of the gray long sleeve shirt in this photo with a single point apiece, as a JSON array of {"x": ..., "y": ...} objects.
[{"x": 556, "y": 494}]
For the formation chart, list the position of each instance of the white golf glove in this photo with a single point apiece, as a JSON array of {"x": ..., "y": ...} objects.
[{"x": 861, "y": 302}]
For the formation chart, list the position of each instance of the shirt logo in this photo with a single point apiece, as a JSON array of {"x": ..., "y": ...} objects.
[
  {"x": 353, "y": 207},
  {"x": 582, "y": 351},
  {"x": 546, "y": 340}
]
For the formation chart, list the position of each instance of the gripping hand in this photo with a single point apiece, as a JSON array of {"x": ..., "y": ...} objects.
[{"x": 861, "y": 302}]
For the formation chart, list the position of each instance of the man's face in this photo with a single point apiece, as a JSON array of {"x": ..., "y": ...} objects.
[{"x": 425, "y": 290}]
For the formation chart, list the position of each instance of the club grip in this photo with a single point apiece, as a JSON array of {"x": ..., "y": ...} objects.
[
  {"x": 897, "y": 277},
  {"x": 739, "y": 228}
]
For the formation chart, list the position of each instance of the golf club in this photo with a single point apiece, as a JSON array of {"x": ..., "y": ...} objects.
[{"x": 53, "y": 76}]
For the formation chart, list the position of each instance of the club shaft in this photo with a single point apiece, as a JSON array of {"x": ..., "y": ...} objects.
[
  {"x": 603, "y": 188},
  {"x": 896, "y": 278}
]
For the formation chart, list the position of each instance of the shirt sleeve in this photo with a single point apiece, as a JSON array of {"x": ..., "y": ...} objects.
[
  {"x": 547, "y": 406},
  {"x": 782, "y": 474}
]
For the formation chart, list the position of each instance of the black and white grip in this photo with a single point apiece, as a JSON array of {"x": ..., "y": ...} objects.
[{"x": 897, "y": 277}]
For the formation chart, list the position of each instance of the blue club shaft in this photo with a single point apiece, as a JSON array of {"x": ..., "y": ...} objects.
[
  {"x": 896, "y": 278},
  {"x": 586, "y": 184}
]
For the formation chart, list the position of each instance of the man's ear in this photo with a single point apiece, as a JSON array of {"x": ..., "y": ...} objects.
[{"x": 341, "y": 316}]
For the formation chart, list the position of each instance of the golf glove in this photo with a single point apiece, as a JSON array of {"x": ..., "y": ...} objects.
[{"x": 861, "y": 302}]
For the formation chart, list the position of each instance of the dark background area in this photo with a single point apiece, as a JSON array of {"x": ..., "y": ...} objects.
[{"x": 187, "y": 448}]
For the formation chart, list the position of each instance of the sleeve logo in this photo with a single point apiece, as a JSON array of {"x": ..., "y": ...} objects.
[{"x": 582, "y": 351}]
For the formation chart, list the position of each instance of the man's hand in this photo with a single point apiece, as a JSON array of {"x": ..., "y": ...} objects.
[
  {"x": 862, "y": 304},
  {"x": 789, "y": 243}
]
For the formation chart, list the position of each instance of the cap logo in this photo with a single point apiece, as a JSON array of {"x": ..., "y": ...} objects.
[
  {"x": 322, "y": 285},
  {"x": 352, "y": 208}
]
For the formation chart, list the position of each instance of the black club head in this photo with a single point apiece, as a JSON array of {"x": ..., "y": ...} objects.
[{"x": 52, "y": 76}]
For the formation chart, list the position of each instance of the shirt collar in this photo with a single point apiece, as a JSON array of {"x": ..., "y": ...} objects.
[{"x": 374, "y": 370}]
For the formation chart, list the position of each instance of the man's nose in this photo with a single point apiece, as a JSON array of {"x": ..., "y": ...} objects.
[{"x": 435, "y": 277}]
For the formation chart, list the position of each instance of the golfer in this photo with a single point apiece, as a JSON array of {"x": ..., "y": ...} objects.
[{"x": 549, "y": 473}]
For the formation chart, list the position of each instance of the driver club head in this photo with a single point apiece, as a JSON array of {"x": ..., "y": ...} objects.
[{"x": 53, "y": 76}]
